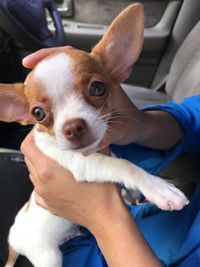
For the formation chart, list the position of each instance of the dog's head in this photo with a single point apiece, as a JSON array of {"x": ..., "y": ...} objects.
[{"x": 73, "y": 94}]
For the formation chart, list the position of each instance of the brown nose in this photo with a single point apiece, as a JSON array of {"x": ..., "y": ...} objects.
[{"x": 74, "y": 129}]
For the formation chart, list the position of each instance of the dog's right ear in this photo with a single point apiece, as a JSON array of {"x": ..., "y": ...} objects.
[
  {"x": 120, "y": 47},
  {"x": 14, "y": 104}
]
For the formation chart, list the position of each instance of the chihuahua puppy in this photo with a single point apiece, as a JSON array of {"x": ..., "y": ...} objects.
[{"x": 73, "y": 96}]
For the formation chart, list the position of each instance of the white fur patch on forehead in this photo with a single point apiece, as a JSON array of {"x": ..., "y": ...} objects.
[{"x": 55, "y": 74}]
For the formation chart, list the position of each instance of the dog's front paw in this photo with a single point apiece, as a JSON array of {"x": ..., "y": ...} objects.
[{"x": 163, "y": 194}]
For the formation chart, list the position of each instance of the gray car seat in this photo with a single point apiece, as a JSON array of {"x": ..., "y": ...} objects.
[{"x": 183, "y": 79}]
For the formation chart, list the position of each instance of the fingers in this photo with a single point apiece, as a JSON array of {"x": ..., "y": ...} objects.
[
  {"x": 28, "y": 147},
  {"x": 34, "y": 175},
  {"x": 39, "y": 165},
  {"x": 37, "y": 162},
  {"x": 40, "y": 201},
  {"x": 31, "y": 151},
  {"x": 106, "y": 151},
  {"x": 31, "y": 60}
]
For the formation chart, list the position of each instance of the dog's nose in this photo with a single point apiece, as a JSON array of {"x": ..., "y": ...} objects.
[{"x": 74, "y": 129}]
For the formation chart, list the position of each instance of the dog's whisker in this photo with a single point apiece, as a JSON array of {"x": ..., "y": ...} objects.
[
  {"x": 108, "y": 119},
  {"x": 125, "y": 109},
  {"x": 115, "y": 113},
  {"x": 108, "y": 115},
  {"x": 122, "y": 123},
  {"x": 129, "y": 119},
  {"x": 111, "y": 129},
  {"x": 100, "y": 109}
]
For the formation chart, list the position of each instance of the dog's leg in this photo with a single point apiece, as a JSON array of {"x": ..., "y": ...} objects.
[
  {"x": 12, "y": 257},
  {"x": 101, "y": 168},
  {"x": 37, "y": 234}
]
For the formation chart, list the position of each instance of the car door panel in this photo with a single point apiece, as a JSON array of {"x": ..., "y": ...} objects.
[
  {"x": 102, "y": 12},
  {"x": 83, "y": 31}
]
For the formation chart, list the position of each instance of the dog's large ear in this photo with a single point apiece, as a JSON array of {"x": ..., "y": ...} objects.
[
  {"x": 13, "y": 104},
  {"x": 121, "y": 45}
]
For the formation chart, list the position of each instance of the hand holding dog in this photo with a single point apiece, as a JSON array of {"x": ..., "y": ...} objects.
[
  {"x": 99, "y": 207},
  {"x": 82, "y": 203}
]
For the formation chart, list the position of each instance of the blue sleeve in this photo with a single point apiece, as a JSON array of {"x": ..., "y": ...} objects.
[{"x": 187, "y": 114}]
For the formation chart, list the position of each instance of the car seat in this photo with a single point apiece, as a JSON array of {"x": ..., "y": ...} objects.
[{"x": 183, "y": 79}]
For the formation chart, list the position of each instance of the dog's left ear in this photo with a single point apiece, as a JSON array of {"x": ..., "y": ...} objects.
[
  {"x": 121, "y": 45},
  {"x": 14, "y": 106}
]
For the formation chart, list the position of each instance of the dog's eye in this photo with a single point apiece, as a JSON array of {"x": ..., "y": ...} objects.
[
  {"x": 39, "y": 113},
  {"x": 97, "y": 88}
]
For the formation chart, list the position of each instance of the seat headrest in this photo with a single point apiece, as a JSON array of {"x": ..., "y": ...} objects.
[{"x": 184, "y": 75}]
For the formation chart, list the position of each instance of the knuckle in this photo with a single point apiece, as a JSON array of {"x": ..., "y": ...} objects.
[
  {"x": 45, "y": 173},
  {"x": 38, "y": 201},
  {"x": 39, "y": 192},
  {"x": 22, "y": 146}
]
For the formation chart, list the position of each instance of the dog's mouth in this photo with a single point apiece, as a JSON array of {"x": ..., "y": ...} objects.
[
  {"x": 85, "y": 147},
  {"x": 88, "y": 148},
  {"x": 95, "y": 144}
]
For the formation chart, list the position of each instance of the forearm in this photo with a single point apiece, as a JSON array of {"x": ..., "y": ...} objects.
[
  {"x": 161, "y": 130},
  {"x": 123, "y": 245},
  {"x": 155, "y": 129}
]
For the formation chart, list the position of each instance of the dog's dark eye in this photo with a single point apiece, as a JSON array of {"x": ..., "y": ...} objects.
[
  {"x": 97, "y": 88},
  {"x": 39, "y": 113}
]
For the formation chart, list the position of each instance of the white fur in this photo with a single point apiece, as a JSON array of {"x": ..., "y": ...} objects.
[
  {"x": 56, "y": 76},
  {"x": 37, "y": 233}
]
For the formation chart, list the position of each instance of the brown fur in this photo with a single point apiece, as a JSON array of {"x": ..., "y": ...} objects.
[{"x": 12, "y": 257}]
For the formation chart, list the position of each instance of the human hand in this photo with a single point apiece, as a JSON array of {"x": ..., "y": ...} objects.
[
  {"x": 57, "y": 191},
  {"x": 31, "y": 60},
  {"x": 98, "y": 207}
]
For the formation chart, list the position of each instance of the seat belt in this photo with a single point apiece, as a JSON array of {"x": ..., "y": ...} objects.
[{"x": 161, "y": 86}]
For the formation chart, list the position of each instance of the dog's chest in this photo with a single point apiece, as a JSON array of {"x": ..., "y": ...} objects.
[
  {"x": 67, "y": 158},
  {"x": 83, "y": 168}
]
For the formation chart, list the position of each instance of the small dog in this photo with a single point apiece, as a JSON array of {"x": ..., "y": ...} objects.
[{"x": 73, "y": 96}]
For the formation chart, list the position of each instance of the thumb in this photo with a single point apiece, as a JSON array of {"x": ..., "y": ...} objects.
[
  {"x": 31, "y": 152},
  {"x": 31, "y": 60},
  {"x": 40, "y": 201}
]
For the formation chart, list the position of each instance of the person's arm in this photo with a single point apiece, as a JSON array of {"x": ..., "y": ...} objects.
[
  {"x": 161, "y": 130},
  {"x": 98, "y": 207},
  {"x": 122, "y": 243}
]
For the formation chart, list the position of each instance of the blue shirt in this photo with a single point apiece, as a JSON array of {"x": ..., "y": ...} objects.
[{"x": 173, "y": 236}]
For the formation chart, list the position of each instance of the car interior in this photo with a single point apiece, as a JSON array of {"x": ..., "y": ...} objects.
[{"x": 167, "y": 68}]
